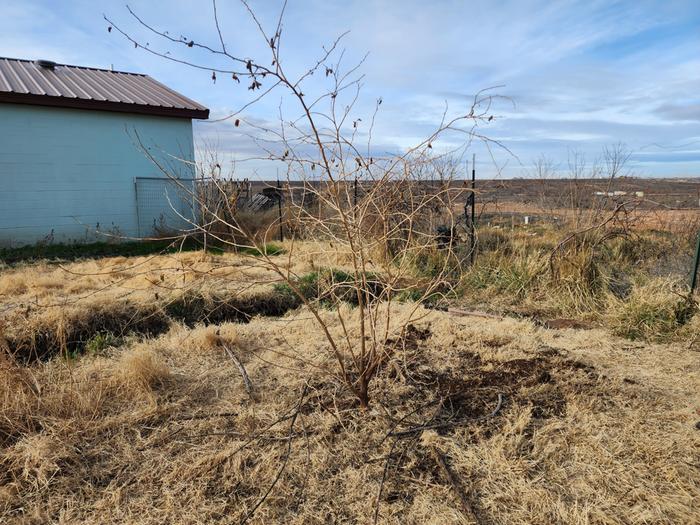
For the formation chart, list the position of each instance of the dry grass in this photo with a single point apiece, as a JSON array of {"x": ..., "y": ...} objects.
[
  {"x": 673, "y": 220},
  {"x": 142, "y": 369},
  {"x": 633, "y": 283},
  {"x": 140, "y": 278},
  {"x": 57, "y": 305},
  {"x": 592, "y": 428}
]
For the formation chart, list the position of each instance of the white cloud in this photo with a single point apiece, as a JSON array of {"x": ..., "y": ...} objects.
[{"x": 582, "y": 74}]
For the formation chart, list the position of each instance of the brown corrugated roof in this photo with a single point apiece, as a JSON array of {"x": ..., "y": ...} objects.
[{"x": 27, "y": 82}]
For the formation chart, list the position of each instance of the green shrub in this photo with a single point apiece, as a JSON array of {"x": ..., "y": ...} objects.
[
  {"x": 100, "y": 342},
  {"x": 268, "y": 249},
  {"x": 329, "y": 286}
]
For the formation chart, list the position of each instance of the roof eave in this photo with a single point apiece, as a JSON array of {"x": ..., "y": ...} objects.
[{"x": 103, "y": 105}]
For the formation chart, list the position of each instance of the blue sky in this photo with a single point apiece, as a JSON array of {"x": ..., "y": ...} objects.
[{"x": 580, "y": 75}]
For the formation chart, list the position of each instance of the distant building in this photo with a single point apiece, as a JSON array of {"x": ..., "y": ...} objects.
[
  {"x": 72, "y": 159},
  {"x": 610, "y": 193}
]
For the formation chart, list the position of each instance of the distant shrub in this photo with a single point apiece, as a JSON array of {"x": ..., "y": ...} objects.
[{"x": 261, "y": 226}]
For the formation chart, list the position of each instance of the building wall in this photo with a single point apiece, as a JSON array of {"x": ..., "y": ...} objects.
[{"x": 68, "y": 174}]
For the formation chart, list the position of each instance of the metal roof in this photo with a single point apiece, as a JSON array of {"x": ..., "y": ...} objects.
[{"x": 28, "y": 82}]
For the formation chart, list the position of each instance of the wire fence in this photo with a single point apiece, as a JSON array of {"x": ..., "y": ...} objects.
[{"x": 164, "y": 206}]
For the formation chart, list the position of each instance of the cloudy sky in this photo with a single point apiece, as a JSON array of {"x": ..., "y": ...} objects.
[{"x": 578, "y": 75}]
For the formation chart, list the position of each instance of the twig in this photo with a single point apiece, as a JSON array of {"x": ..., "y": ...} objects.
[
  {"x": 286, "y": 458},
  {"x": 308, "y": 462},
  {"x": 448, "y": 424},
  {"x": 204, "y": 416},
  {"x": 241, "y": 435},
  {"x": 268, "y": 427},
  {"x": 473, "y": 313},
  {"x": 454, "y": 483},
  {"x": 246, "y": 380},
  {"x": 385, "y": 472}
]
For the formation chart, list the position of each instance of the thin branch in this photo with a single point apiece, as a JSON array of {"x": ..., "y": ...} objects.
[
  {"x": 246, "y": 380},
  {"x": 250, "y": 513}
]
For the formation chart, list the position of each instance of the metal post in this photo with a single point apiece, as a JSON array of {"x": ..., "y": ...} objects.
[
  {"x": 694, "y": 276},
  {"x": 279, "y": 208},
  {"x": 472, "y": 221},
  {"x": 355, "y": 193},
  {"x": 138, "y": 217}
]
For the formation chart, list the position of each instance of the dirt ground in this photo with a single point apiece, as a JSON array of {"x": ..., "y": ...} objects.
[{"x": 475, "y": 420}]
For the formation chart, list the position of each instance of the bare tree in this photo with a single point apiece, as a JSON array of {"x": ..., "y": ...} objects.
[{"x": 544, "y": 171}]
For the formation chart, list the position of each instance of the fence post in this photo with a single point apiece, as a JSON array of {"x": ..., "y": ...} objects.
[
  {"x": 471, "y": 208},
  {"x": 138, "y": 218},
  {"x": 279, "y": 209},
  {"x": 355, "y": 193},
  {"x": 694, "y": 276}
]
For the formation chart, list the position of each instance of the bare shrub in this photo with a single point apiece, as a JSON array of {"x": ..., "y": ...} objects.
[
  {"x": 379, "y": 209},
  {"x": 596, "y": 217}
]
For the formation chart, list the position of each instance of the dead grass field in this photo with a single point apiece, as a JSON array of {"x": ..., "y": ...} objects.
[
  {"x": 159, "y": 428},
  {"x": 660, "y": 218}
]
